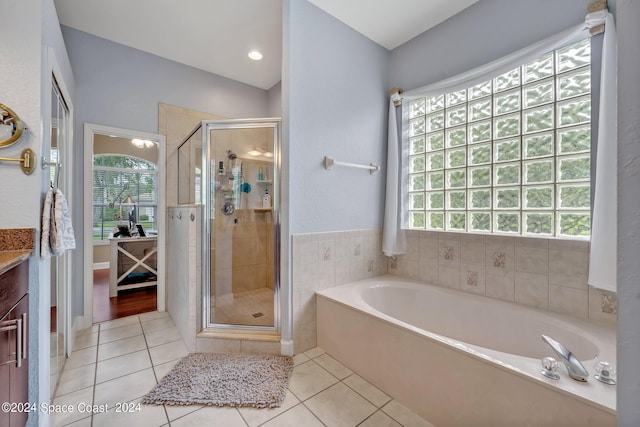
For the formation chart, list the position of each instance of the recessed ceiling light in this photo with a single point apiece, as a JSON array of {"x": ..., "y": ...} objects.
[{"x": 255, "y": 55}]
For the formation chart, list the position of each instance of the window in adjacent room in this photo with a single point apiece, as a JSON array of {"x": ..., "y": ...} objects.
[
  {"x": 510, "y": 155},
  {"x": 111, "y": 173}
]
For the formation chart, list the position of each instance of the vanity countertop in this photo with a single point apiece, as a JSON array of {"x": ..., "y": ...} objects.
[
  {"x": 16, "y": 245},
  {"x": 9, "y": 259}
]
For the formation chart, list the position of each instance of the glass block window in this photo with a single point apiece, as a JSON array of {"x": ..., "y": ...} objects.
[
  {"x": 111, "y": 173},
  {"x": 510, "y": 155}
]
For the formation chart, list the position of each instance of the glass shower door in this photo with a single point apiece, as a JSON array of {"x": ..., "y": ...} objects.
[{"x": 242, "y": 209}]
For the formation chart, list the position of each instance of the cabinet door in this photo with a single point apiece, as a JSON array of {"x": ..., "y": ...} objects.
[
  {"x": 5, "y": 369},
  {"x": 19, "y": 380}
]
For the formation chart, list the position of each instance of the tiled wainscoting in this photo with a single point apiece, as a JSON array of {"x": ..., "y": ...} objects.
[
  {"x": 545, "y": 273},
  {"x": 322, "y": 260},
  {"x": 549, "y": 274}
]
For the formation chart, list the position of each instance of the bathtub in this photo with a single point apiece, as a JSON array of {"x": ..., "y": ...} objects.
[{"x": 458, "y": 359}]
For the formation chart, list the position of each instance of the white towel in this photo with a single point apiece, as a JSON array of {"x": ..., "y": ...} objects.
[
  {"x": 57, "y": 230},
  {"x": 63, "y": 237},
  {"x": 45, "y": 246}
]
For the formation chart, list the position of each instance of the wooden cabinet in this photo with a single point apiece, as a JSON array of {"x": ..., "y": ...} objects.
[{"x": 14, "y": 361}]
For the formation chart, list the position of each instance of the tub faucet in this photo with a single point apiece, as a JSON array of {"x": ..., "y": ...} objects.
[{"x": 576, "y": 370}]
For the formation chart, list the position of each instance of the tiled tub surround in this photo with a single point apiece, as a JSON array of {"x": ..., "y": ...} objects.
[
  {"x": 455, "y": 358},
  {"x": 549, "y": 274},
  {"x": 323, "y": 260}
]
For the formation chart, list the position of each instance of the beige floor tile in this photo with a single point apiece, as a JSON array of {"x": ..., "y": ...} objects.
[
  {"x": 88, "y": 331},
  {"x": 85, "y": 340},
  {"x": 163, "y": 369},
  {"x": 84, "y": 396},
  {"x": 152, "y": 315},
  {"x": 379, "y": 419},
  {"x": 211, "y": 416},
  {"x": 340, "y": 406},
  {"x": 300, "y": 358},
  {"x": 167, "y": 352},
  {"x": 122, "y": 332},
  {"x": 122, "y": 365},
  {"x": 297, "y": 416},
  {"x": 125, "y": 389},
  {"x": 162, "y": 336},
  {"x": 404, "y": 415},
  {"x": 178, "y": 411},
  {"x": 85, "y": 422},
  {"x": 132, "y": 416},
  {"x": 76, "y": 379},
  {"x": 118, "y": 323},
  {"x": 121, "y": 347},
  {"x": 314, "y": 352},
  {"x": 308, "y": 379},
  {"x": 333, "y": 366},
  {"x": 256, "y": 417},
  {"x": 156, "y": 324},
  {"x": 83, "y": 357},
  {"x": 367, "y": 390}
]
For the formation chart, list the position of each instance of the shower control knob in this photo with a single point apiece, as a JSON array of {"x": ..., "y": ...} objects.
[
  {"x": 550, "y": 368},
  {"x": 605, "y": 372}
]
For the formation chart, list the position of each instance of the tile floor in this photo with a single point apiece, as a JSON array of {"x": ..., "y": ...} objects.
[
  {"x": 242, "y": 307},
  {"x": 121, "y": 360}
]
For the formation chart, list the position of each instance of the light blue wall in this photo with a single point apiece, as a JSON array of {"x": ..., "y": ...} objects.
[
  {"x": 487, "y": 30},
  {"x": 121, "y": 87},
  {"x": 337, "y": 106},
  {"x": 274, "y": 100}
]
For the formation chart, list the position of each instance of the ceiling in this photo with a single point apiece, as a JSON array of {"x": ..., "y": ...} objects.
[{"x": 216, "y": 35}]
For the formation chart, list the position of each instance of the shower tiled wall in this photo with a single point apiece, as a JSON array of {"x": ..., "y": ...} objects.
[
  {"x": 323, "y": 260},
  {"x": 548, "y": 274}
]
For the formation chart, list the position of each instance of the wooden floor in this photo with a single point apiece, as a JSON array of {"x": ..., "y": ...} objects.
[{"x": 127, "y": 303}]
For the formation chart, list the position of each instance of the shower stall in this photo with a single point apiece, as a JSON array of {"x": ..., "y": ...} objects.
[{"x": 230, "y": 169}]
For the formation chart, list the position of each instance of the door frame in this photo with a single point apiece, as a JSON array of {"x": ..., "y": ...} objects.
[{"x": 90, "y": 129}]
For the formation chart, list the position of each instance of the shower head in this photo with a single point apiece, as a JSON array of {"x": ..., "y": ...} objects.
[{"x": 231, "y": 155}]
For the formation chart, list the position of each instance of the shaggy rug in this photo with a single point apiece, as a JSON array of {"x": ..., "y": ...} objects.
[{"x": 215, "y": 379}]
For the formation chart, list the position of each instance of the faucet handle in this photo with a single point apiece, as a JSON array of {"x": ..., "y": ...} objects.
[
  {"x": 550, "y": 368},
  {"x": 605, "y": 372}
]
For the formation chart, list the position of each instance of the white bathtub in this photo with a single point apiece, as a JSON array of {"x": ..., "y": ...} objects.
[{"x": 464, "y": 360}]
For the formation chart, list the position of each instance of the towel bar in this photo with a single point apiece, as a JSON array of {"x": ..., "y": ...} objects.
[
  {"x": 27, "y": 161},
  {"x": 330, "y": 161}
]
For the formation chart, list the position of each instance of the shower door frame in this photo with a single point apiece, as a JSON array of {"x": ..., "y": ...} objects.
[{"x": 208, "y": 177}]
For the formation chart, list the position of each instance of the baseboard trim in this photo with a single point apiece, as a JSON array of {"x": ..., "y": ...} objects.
[
  {"x": 286, "y": 348},
  {"x": 100, "y": 265}
]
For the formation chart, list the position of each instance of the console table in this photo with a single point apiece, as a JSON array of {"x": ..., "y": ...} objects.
[{"x": 128, "y": 256}]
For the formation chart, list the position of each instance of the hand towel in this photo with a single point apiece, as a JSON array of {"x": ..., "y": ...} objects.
[
  {"x": 45, "y": 246},
  {"x": 63, "y": 238}
]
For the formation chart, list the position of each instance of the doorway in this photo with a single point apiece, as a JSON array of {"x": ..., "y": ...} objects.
[{"x": 125, "y": 225}]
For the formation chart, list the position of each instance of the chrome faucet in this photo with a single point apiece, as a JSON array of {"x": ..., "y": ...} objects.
[{"x": 576, "y": 370}]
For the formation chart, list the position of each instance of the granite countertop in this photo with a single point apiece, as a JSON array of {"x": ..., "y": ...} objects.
[
  {"x": 9, "y": 259},
  {"x": 16, "y": 245}
]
